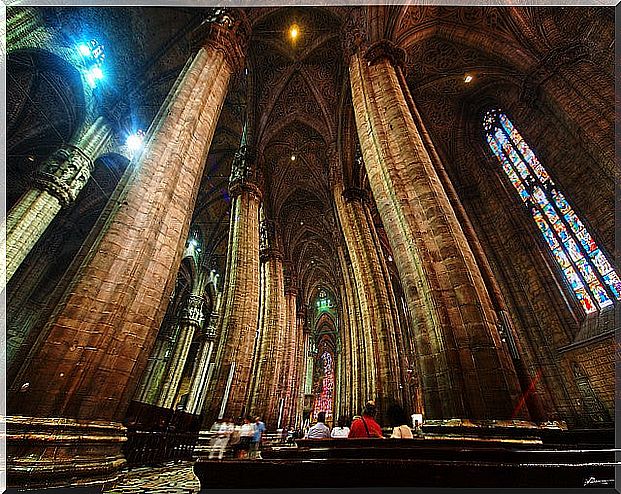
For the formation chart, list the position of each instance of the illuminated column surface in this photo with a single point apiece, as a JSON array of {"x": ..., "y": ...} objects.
[
  {"x": 96, "y": 345},
  {"x": 465, "y": 370}
]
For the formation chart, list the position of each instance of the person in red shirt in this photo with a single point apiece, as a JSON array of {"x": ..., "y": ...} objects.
[{"x": 366, "y": 426}]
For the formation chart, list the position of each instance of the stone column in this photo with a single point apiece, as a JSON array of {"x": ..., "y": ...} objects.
[
  {"x": 290, "y": 370},
  {"x": 241, "y": 294},
  {"x": 466, "y": 372},
  {"x": 356, "y": 375},
  {"x": 200, "y": 376},
  {"x": 56, "y": 185},
  {"x": 95, "y": 347},
  {"x": 148, "y": 390},
  {"x": 301, "y": 365},
  {"x": 190, "y": 321},
  {"x": 266, "y": 393},
  {"x": 378, "y": 330}
]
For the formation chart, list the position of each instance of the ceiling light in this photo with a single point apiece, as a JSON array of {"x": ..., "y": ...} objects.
[
  {"x": 389, "y": 258},
  {"x": 84, "y": 50},
  {"x": 294, "y": 32},
  {"x": 134, "y": 141},
  {"x": 301, "y": 223},
  {"x": 293, "y": 157},
  {"x": 468, "y": 78}
]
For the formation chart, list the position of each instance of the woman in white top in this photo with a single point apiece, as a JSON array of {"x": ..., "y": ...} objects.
[
  {"x": 341, "y": 430},
  {"x": 399, "y": 420}
]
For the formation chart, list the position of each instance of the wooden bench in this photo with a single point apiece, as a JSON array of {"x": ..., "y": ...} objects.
[{"x": 411, "y": 463}]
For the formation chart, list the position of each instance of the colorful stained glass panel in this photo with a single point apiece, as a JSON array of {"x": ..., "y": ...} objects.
[
  {"x": 614, "y": 283},
  {"x": 600, "y": 261},
  {"x": 555, "y": 218}
]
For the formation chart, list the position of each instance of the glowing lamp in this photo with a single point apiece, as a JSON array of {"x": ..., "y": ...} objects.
[
  {"x": 134, "y": 141},
  {"x": 84, "y": 50},
  {"x": 468, "y": 78},
  {"x": 294, "y": 32},
  {"x": 293, "y": 157},
  {"x": 97, "y": 73}
]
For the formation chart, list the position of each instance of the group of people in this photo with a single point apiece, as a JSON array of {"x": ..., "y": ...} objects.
[
  {"x": 362, "y": 426},
  {"x": 244, "y": 438}
]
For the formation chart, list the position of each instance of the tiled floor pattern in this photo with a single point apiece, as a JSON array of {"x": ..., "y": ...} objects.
[{"x": 175, "y": 478}]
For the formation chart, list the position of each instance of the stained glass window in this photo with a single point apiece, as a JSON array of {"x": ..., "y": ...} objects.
[
  {"x": 323, "y": 402},
  {"x": 586, "y": 269}
]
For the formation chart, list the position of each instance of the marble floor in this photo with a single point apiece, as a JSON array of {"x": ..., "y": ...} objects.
[{"x": 176, "y": 478}]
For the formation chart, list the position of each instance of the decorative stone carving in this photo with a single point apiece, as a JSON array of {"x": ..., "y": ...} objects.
[
  {"x": 244, "y": 174},
  {"x": 355, "y": 33},
  {"x": 192, "y": 312},
  {"x": 226, "y": 30},
  {"x": 385, "y": 49},
  {"x": 65, "y": 173},
  {"x": 268, "y": 241},
  {"x": 355, "y": 194}
]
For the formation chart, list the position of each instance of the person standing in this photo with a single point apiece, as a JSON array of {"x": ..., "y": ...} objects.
[
  {"x": 366, "y": 426},
  {"x": 255, "y": 443},
  {"x": 320, "y": 430}
]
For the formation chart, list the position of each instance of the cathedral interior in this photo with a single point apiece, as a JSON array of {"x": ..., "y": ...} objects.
[{"x": 276, "y": 211}]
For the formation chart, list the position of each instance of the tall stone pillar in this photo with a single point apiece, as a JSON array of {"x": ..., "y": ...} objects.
[
  {"x": 466, "y": 371},
  {"x": 200, "y": 376},
  {"x": 240, "y": 313},
  {"x": 94, "y": 348},
  {"x": 301, "y": 363},
  {"x": 292, "y": 340},
  {"x": 56, "y": 185},
  {"x": 378, "y": 330},
  {"x": 267, "y": 393},
  {"x": 148, "y": 390},
  {"x": 190, "y": 321}
]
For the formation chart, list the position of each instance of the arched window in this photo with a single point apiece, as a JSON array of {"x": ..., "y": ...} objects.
[
  {"x": 582, "y": 262},
  {"x": 324, "y": 401}
]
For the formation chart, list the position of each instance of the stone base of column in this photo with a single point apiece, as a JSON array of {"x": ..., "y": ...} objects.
[
  {"x": 50, "y": 452},
  {"x": 519, "y": 431}
]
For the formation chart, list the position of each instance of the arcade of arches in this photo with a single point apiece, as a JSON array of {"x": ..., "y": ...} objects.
[{"x": 411, "y": 204}]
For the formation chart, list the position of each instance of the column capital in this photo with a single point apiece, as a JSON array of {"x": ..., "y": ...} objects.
[
  {"x": 244, "y": 173},
  {"x": 291, "y": 281},
  {"x": 64, "y": 173},
  {"x": 211, "y": 331},
  {"x": 355, "y": 194},
  {"x": 270, "y": 254},
  {"x": 269, "y": 248},
  {"x": 385, "y": 49},
  {"x": 226, "y": 30},
  {"x": 192, "y": 311}
]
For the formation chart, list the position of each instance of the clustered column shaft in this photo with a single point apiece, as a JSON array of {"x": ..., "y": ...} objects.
[
  {"x": 465, "y": 370},
  {"x": 378, "y": 324},
  {"x": 267, "y": 393},
  {"x": 200, "y": 376},
  {"x": 190, "y": 321},
  {"x": 241, "y": 304}
]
